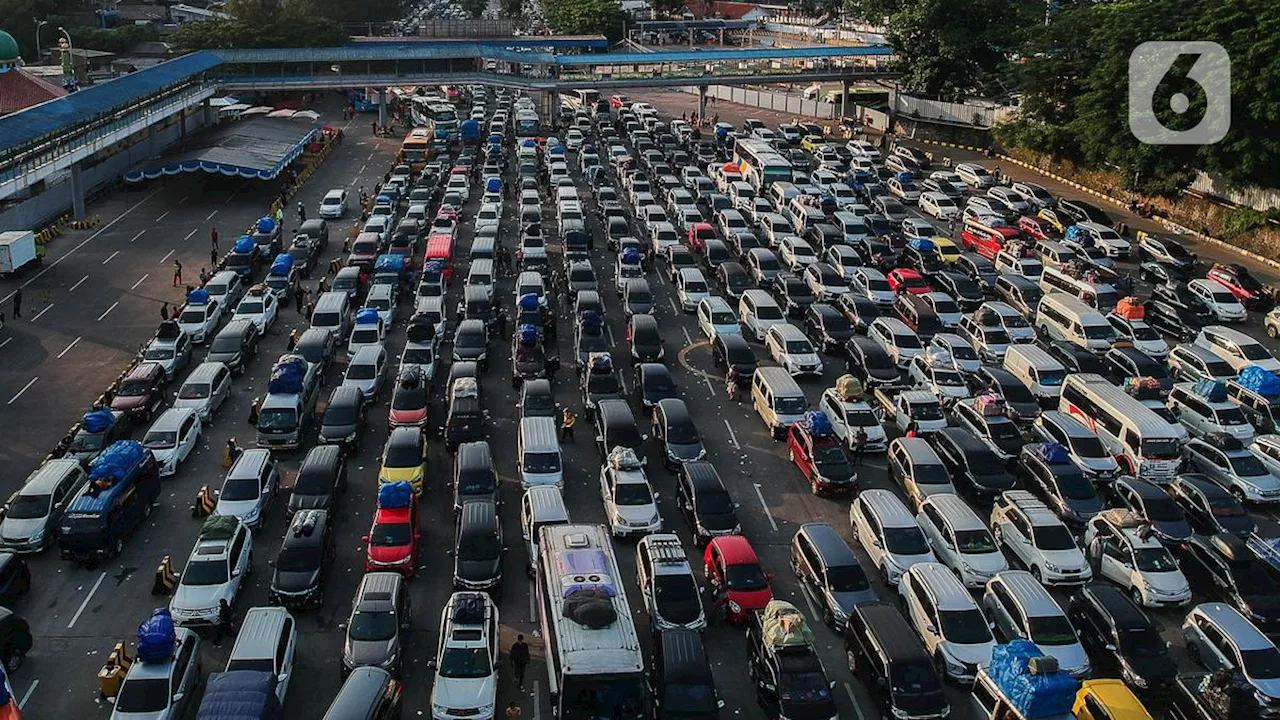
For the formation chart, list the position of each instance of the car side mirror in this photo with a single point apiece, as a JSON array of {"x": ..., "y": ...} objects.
[
  {"x": 177, "y": 697},
  {"x": 271, "y": 562},
  {"x": 364, "y": 538},
  {"x": 720, "y": 703},
  {"x": 878, "y": 543},
  {"x": 1111, "y": 647},
  {"x": 932, "y": 629},
  {"x": 599, "y": 438}
]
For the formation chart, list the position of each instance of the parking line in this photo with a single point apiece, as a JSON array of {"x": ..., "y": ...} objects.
[
  {"x": 104, "y": 262},
  {"x": 140, "y": 281},
  {"x": 113, "y": 307},
  {"x": 537, "y": 705},
  {"x": 27, "y": 695},
  {"x": 688, "y": 340},
  {"x": 87, "y": 598},
  {"x": 68, "y": 348},
  {"x": 135, "y": 237},
  {"x": 6, "y": 342},
  {"x": 210, "y": 216},
  {"x": 733, "y": 437},
  {"x": 166, "y": 257},
  {"x": 609, "y": 331},
  {"x": 25, "y": 388},
  {"x": 163, "y": 215},
  {"x": 813, "y": 611},
  {"x": 765, "y": 505},
  {"x": 673, "y": 304},
  {"x": 188, "y": 237},
  {"x": 533, "y": 602},
  {"x": 853, "y": 699},
  {"x": 81, "y": 280},
  {"x": 45, "y": 310}
]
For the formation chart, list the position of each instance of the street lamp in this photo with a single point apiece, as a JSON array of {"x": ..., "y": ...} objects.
[
  {"x": 68, "y": 63},
  {"x": 39, "y": 55}
]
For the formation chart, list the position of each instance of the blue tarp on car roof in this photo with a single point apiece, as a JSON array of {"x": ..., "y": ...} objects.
[{"x": 240, "y": 695}]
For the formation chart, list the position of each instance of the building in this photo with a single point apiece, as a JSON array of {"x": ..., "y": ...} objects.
[
  {"x": 183, "y": 13},
  {"x": 20, "y": 89}
]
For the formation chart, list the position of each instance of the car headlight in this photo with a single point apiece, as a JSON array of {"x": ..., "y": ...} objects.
[
  {"x": 734, "y": 607},
  {"x": 955, "y": 668},
  {"x": 439, "y": 710},
  {"x": 1050, "y": 566},
  {"x": 38, "y": 536}
]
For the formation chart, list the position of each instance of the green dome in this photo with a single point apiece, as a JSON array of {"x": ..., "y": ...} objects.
[{"x": 8, "y": 47}]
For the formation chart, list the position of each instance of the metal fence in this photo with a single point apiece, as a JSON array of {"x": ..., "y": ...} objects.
[
  {"x": 772, "y": 100},
  {"x": 974, "y": 115}
]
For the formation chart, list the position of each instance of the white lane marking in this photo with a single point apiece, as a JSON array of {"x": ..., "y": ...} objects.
[
  {"x": 733, "y": 437},
  {"x": 710, "y": 388},
  {"x": 688, "y": 340},
  {"x": 87, "y": 598},
  {"x": 609, "y": 331},
  {"x": 6, "y": 342},
  {"x": 210, "y": 215},
  {"x": 68, "y": 348},
  {"x": 45, "y": 310},
  {"x": 27, "y": 695},
  {"x": 86, "y": 277},
  {"x": 163, "y": 215},
  {"x": 370, "y": 157},
  {"x": 362, "y": 167},
  {"x": 166, "y": 257},
  {"x": 853, "y": 699},
  {"x": 113, "y": 307},
  {"x": 674, "y": 306},
  {"x": 537, "y": 703},
  {"x": 813, "y": 611},
  {"x": 533, "y": 602},
  {"x": 140, "y": 281},
  {"x": 104, "y": 262},
  {"x": 765, "y": 505},
  {"x": 135, "y": 237},
  {"x": 25, "y": 388},
  {"x": 84, "y": 242},
  {"x": 188, "y": 237}
]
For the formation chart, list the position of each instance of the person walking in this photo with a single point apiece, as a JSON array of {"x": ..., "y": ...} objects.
[
  {"x": 302, "y": 213},
  {"x": 300, "y": 298},
  {"x": 859, "y": 445},
  {"x": 519, "y": 659},
  {"x": 280, "y": 217},
  {"x": 254, "y": 408},
  {"x": 213, "y": 258},
  {"x": 17, "y": 303},
  {"x": 213, "y": 239},
  {"x": 224, "y": 626},
  {"x": 164, "y": 311},
  {"x": 501, "y": 318},
  {"x": 177, "y": 273},
  {"x": 913, "y": 430},
  {"x": 566, "y": 425},
  {"x": 731, "y": 383}
]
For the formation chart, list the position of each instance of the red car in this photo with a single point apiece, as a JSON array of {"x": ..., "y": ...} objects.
[
  {"x": 814, "y": 447},
  {"x": 699, "y": 234},
  {"x": 1241, "y": 283},
  {"x": 908, "y": 280},
  {"x": 737, "y": 581},
  {"x": 1037, "y": 228},
  {"x": 411, "y": 401},
  {"x": 619, "y": 101},
  {"x": 393, "y": 539},
  {"x": 987, "y": 241},
  {"x": 364, "y": 251}
]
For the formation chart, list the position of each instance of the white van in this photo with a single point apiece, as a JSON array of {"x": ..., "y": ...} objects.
[
  {"x": 1038, "y": 370},
  {"x": 888, "y": 533},
  {"x": 540, "y": 506},
  {"x": 777, "y": 399},
  {"x": 1055, "y": 254},
  {"x": 1064, "y": 317},
  {"x": 538, "y": 453},
  {"x": 1099, "y": 296},
  {"x": 854, "y": 229},
  {"x": 759, "y": 311},
  {"x": 741, "y": 194},
  {"x": 781, "y": 193}
]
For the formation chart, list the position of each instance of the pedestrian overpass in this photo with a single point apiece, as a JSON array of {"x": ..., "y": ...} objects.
[{"x": 42, "y": 143}]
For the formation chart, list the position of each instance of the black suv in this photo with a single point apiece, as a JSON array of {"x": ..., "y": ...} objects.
[
  {"x": 1114, "y": 629},
  {"x": 1209, "y": 507},
  {"x": 345, "y": 418},
  {"x": 870, "y": 364},
  {"x": 682, "y": 683},
  {"x": 972, "y": 463},
  {"x": 653, "y": 384},
  {"x": 302, "y": 564},
  {"x": 827, "y": 327},
  {"x": 789, "y": 681},
  {"x": 888, "y": 657},
  {"x": 1060, "y": 483},
  {"x": 707, "y": 507},
  {"x": 675, "y": 433},
  {"x": 1222, "y": 567}
]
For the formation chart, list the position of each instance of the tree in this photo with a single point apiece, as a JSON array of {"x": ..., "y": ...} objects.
[
  {"x": 668, "y": 8},
  {"x": 115, "y": 40},
  {"x": 237, "y": 33},
  {"x": 512, "y": 8},
  {"x": 18, "y": 18},
  {"x": 475, "y": 8},
  {"x": 585, "y": 17}
]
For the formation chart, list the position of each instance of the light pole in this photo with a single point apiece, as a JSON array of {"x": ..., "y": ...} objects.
[
  {"x": 39, "y": 55},
  {"x": 68, "y": 62}
]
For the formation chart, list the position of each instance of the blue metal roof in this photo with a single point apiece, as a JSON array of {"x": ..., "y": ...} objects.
[
  {"x": 23, "y": 127},
  {"x": 375, "y": 51},
  {"x": 654, "y": 58}
]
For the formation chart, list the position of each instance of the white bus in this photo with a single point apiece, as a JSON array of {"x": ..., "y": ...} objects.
[
  {"x": 432, "y": 113},
  {"x": 760, "y": 164},
  {"x": 584, "y": 99},
  {"x": 527, "y": 124},
  {"x": 595, "y": 667},
  {"x": 1149, "y": 445}
]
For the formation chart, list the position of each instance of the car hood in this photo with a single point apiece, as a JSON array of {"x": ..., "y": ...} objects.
[
  {"x": 1069, "y": 657},
  {"x": 1173, "y": 530},
  {"x": 1071, "y": 559},
  {"x": 479, "y": 570},
  {"x": 718, "y": 522},
  {"x": 460, "y": 693},
  {"x": 846, "y": 600},
  {"x": 1159, "y": 670},
  {"x": 686, "y": 452},
  {"x": 199, "y": 597},
  {"x": 336, "y": 432},
  {"x": 637, "y": 513},
  {"x": 389, "y": 553},
  {"x": 975, "y": 654},
  {"x": 1268, "y": 687},
  {"x": 285, "y": 581},
  {"x": 1084, "y": 509},
  {"x": 408, "y": 416},
  {"x": 1170, "y": 583},
  {"x": 20, "y": 529},
  {"x": 128, "y": 402},
  {"x": 370, "y": 652},
  {"x": 236, "y": 508}
]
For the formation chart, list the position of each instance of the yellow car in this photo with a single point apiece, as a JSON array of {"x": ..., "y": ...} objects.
[
  {"x": 947, "y": 249},
  {"x": 404, "y": 458},
  {"x": 813, "y": 143},
  {"x": 1055, "y": 219},
  {"x": 1108, "y": 700}
]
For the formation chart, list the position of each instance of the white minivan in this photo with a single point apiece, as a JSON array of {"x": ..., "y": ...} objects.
[
  {"x": 888, "y": 533},
  {"x": 538, "y": 453}
]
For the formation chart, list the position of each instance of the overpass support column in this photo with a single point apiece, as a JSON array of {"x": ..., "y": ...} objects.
[
  {"x": 702, "y": 101},
  {"x": 690, "y": 38},
  {"x": 77, "y": 192},
  {"x": 209, "y": 116},
  {"x": 382, "y": 108},
  {"x": 721, "y": 37},
  {"x": 844, "y": 99}
]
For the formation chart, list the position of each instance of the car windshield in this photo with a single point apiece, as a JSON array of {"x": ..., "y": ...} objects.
[
  {"x": 1161, "y": 449},
  {"x": 402, "y": 455},
  {"x": 633, "y": 493},
  {"x": 1053, "y": 537},
  {"x": 1051, "y": 630},
  {"x": 277, "y": 419},
  {"x": 789, "y": 405},
  {"x": 1231, "y": 416},
  {"x": 804, "y": 687},
  {"x": 341, "y": 414},
  {"x": 689, "y": 698},
  {"x": 28, "y": 507},
  {"x": 1254, "y": 351},
  {"x": 975, "y": 542},
  {"x": 1154, "y": 559},
  {"x": 160, "y": 439},
  {"x": 1261, "y": 664},
  {"x": 207, "y": 572},
  {"x": 926, "y": 411},
  {"x": 965, "y": 627},
  {"x": 298, "y": 559},
  {"x": 372, "y": 626},
  {"x": 239, "y": 489},
  {"x": 87, "y": 441},
  {"x": 1074, "y": 485},
  {"x": 746, "y": 577},
  {"x": 143, "y": 695},
  {"x": 830, "y": 455},
  {"x": 479, "y": 548},
  {"x": 905, "y": 541},
  {"x": 390, "y": 535},
  {"x": 465, "y": 663},
  {"x": 194, "y": 391},
  {"x": 914, "y": 678},
  {"x": 158, "y": 353},
  {"x": 195, "y": 316},
  {"x": 418, "y": 355},
  {"x": 947, "y": 378},
  {"x": 409, "y": 398},
  {"x": 361, "y": 371},
  {"x": 1162, "y": 509},
  {"x": 768, "y": 312},
  {"x": 1226, "y": 506},
  {"x": 249, "y": 307},
  {"x": 799, "y": 347},
  {"x": 134, "y": 388},
  {"x": 1099, "y": 332},
  {"x": 847, "y": 578}
]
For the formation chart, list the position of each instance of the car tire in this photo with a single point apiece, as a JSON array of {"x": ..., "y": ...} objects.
[
  {"x": 1238, "y": 494},
  {"x": 1035, "y": 573},
  {"x": 1136, "y": 595}
]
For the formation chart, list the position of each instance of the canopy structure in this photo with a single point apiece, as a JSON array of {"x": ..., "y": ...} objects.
[{"x": 259, "y": 148}]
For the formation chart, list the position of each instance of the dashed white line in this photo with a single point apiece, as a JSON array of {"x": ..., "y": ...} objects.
[
  {"x": 813, "y": 611},
  {"x": 166, "y": 257},
  {"x": 87, "y": 598},
  {"x": 183, "y": 201},
  {"x": 113, "y": 307},
  {"x": 84, "y": 242},
  {"x": 733, "y": 437},
  {"x": 135, "y": 237},
  {"x": 210, "y": 215},
  {"x": 163, "y": 215},
  {"x": 81, "y": 280},
  {"x": 6, "y": 342},
  {"x": 25, "y": 388},
  {"x": 45, "y": 310},
  {"x": 140, "y": 281},
  {"x": 687, "y": 339},
  {"x": 609, "y": 331},
  {"x": 674, "y": 306},
  {"x": 104, "y": 262},
  {"x": 362, "y": 169},
  {"x": 765, "y": 505},
  {"x": 537, "y": 701},
  {"x": 188, "y": 237},
  {"x": 853, "y": 699},
  {"x": 27, "y": 695},
  {"x": 68, "y": 348}
]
